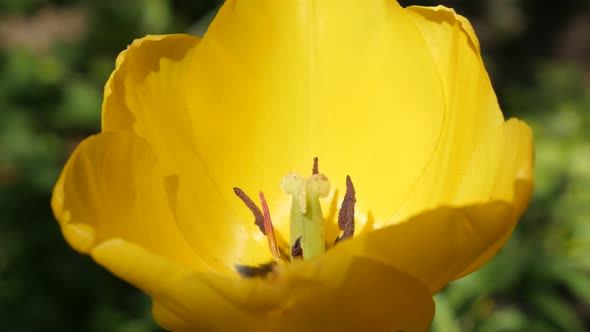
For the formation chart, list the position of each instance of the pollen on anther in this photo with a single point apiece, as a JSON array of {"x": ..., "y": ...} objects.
[
  {"x": 346, "y": 213},
  {"x": 258, "y": 217},
  {"x": 296, "y": 250},
  {"x": 315, "y": 169}
]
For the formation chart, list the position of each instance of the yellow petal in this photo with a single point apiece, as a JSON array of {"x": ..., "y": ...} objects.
[
  {"x": 446, "y": 243},
  {"x": 112, "y": 186},
  {"x": 479, "y": 157},
  {"x": 472, "y": 110},
  {"x": 336, "y": 292},
  {"x": 272, "y": 85},
  {"x": 500, "y": 169},
  {"x": 437, "y": 245},
  {"x": 143, "y": 84},
  {"x": 351, "y": 82},
  {"x": 147, "y": 94}
]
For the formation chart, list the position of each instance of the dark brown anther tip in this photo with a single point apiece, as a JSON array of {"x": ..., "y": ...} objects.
[
  {"x": 315, "y": 169},
  {"x": 249, "y": 271},
  {"x": 346, "y": 213},
  {"x": 258, "y": 217},
  {"x": 296, "y": 250}
]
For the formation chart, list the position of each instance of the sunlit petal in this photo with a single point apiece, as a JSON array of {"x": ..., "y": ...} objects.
[
  {"x": 145, "y": 94},
  {"x": 278, "y": 83},
  {"x": 112, "y": 186}
]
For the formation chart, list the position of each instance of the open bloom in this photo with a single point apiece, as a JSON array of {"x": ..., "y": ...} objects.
[{"x": 396, "y": 98}]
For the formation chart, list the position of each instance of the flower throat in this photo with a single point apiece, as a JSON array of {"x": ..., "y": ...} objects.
[{"x": 307, "y": 229}]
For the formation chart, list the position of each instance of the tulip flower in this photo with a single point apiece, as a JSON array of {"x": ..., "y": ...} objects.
[{"x": 201, "y": 188}]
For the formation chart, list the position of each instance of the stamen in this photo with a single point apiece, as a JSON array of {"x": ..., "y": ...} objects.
[
  {"x": 269, "y": 230},
  {"x": 315, "y": 169},
  {"x": 346, "y": 213},
  {"x": 296, "y": 250},
  {"x": 258, "y": 217},
  {"x": 255, "y": 271}
]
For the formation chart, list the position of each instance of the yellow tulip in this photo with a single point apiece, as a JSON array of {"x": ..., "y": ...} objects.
[{"x": 397, "y": 98}]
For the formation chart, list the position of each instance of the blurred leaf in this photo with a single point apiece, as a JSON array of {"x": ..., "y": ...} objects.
[
  {"x": 578, "y": 283},
  {"x": 555, "y": 310},
  {"x": 156, "y": 16},
  {"x": 81, "y": 106},
  {"x": 200, "y": 26},
  {"x": 444, "y": 321},
  {"x": 504, "y": 320}
]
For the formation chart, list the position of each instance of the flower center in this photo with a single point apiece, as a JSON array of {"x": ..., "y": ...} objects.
[
  {"x": 307, "y": 229},
  {"x": 307, "y": 222}
]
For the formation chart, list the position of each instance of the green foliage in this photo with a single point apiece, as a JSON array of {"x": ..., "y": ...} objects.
[{"x": 50, "y": 97}]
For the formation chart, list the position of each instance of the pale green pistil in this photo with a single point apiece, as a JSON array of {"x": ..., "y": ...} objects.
[{"x": 307, "y": 222}]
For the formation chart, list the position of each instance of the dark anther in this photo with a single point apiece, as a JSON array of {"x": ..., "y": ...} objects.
[
  {"x": 346, "y": 213},
  {"x": 296, "y": 250},
  {"x": 315, "y": 169},
  {"x": 258, "y": 217},
  {"x": 255, "y": 271}
]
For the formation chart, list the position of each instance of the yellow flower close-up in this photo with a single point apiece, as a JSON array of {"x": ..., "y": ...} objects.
[{"x": 419, "y": 180}]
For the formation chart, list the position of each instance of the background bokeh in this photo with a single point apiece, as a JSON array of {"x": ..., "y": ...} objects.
[{"x": 55, "y": 56}]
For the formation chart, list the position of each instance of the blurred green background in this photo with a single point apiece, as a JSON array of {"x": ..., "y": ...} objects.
[{"x": 55, "y": 56}]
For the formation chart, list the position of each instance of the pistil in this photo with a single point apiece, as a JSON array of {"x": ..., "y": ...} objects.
[{"x": 307, "y": 222}]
